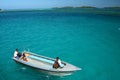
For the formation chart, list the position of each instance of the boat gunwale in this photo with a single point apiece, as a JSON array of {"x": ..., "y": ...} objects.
[{"x": 40, "y": 68}]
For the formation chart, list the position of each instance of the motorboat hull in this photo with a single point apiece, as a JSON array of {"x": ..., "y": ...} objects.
[{"x": 44, "y": 64}]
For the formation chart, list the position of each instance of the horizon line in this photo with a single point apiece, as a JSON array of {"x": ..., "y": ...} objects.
[{"x": 58, "y": 7}]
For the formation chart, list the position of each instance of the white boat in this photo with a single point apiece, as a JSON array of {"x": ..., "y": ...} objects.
[{"x": 45, "y": 64}]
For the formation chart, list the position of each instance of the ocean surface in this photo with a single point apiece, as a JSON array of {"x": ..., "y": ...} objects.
[{"x": 89, "y": 41}]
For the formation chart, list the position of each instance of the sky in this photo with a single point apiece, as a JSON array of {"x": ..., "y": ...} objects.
[{"x": 41, "y": 4}]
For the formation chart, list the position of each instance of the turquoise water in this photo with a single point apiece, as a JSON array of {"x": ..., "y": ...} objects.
[{"x": 89, "y": 41}]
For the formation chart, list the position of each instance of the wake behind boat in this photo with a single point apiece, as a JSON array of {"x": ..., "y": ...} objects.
[{"x": 45, "y": 64}]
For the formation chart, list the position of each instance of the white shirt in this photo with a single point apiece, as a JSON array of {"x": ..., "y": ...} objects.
[
  {"x": 59, "y": 62},
  {"x": 15, "y": 53}
]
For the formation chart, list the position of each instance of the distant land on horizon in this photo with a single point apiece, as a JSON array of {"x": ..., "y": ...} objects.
[
  {"x": 89, "y": 9},
  {"x": 81, "y": 9},
  {"x": 66, "y": 7}
]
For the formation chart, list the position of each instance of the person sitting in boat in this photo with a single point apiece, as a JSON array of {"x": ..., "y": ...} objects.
[
  {"x": 24, "y": 57},
  {"x": 58, "y": 63},
  {"x": 17, "y": 54}
]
